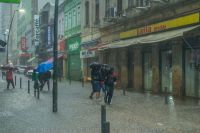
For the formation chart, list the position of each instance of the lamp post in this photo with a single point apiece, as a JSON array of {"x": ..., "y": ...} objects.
[
  {"x": 10, "y": 28},
  {"x": 55, "y": 55}
]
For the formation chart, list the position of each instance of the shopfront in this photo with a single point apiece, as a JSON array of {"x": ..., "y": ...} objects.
[
  {"x": 73, "y": 58},
  {"x": 164, "y": 66}
]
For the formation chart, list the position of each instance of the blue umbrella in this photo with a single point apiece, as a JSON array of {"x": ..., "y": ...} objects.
[{"x": 44, "y": 67}]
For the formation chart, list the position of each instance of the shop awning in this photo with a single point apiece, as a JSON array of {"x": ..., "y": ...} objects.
[
  {"x": 31, "y": 59},
  {"x": 153, "y": 38}
]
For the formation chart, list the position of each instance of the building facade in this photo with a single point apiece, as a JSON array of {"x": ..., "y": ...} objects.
[
  {"x": 153, "y": 45},
  {"x": 24, "y": 32},
  {"x": 45, "y": 49},
  {"x": 73, "y": 39}
]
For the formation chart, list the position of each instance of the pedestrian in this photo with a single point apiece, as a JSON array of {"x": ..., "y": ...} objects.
[
  {"x": 9, "y": 78},
  {"x": 45, "y": 79},
  {"x": 110, "y": 82},
  {"x": 41, "y": 79},
  {"x": 95, "y": 80},
  {"x": 35, "y": 79}
]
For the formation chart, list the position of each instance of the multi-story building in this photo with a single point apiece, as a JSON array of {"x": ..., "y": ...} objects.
[
  {"x": 45, "y": 50},
  {"x": 73, "y": 38},
  {"x": 6, "y": 16},
  {"x": 24, "y": 32},
  {"x": 61, "y": 39},
  {"x": 90, "y": 34},
  {"x": 153, "y": 45}
]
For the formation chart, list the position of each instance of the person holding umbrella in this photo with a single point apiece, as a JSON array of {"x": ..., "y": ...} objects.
[{"x": 9, "y": 78}]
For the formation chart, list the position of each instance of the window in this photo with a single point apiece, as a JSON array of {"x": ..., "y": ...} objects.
[
  {"x": 87, "y": 11},
  {"x": 78, "y": 16},
  {"x": 131, "y": 3},
  {"x": 74, "y": 18},
  {"x": 142, "y": 3},
  {"x": 119, "y": 7},
  {"x": 97, "y": 12},
  {"x": 107, "y": 8},
  {"x": 66, "y": 22},
  {"x": 70, "y": 20}
]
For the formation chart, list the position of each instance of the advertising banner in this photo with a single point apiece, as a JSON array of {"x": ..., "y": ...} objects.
[{"x": 23, "y": 43}]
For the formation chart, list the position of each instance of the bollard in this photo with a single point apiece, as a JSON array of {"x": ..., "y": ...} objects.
[
  {"x": 166, "y": 96},
  {"x": 20, "y": 82},
  {"x": 82, "y": 82},
  {"x": 107, "y": 127},
  {"x": 15, "y": 80},
  {"x": 103, "y": 118},
  {"x": 124, "y": 91},
  {"x": 28, "y": 86}
]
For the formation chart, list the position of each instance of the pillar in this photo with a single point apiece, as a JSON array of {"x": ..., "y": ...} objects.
[
  {"x": 123, "y": 61},
  {"x": 177, "y": 67},
  {"x": 155, "y": 70},
  {"x": 137, "y": 69}
]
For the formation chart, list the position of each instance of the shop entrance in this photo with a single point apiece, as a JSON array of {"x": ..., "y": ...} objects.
[
  {"x": 192, "y": 73},
  {"x": 130, "y": 68},
  {"x": 147, "y": 66},
  {"x": 166, "y": 67}
]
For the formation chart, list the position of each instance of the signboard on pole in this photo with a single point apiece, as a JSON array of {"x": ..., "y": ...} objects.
[
  {"x": 36, "y": 30},
  {"x": 10, "y": 1}
]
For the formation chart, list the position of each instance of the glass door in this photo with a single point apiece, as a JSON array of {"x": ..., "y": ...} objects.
[
  {"x": 167, "y": 71},
  {"x": 147, "y": 72},
  {"x": 192, "y": 73}
]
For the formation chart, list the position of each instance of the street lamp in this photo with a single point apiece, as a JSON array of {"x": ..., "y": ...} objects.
[{"x": 10, "y": 28}]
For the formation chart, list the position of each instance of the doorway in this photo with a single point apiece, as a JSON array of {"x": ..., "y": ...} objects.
[
  {"x": 147, "y": 67},
  {"x": 166, "y": 69}
]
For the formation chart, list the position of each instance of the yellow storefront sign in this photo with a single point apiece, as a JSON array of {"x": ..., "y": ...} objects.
[{"x": 165, "y": 25}]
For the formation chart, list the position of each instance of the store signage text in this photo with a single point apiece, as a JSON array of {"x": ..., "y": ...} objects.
[
  {"x": 74, "y": 46},
  {"x": 36, "y": 30},
  {"x": 87, "y": 54},
  {"x": 23, "y": 43},
  {"x": 162, "y": 26}
]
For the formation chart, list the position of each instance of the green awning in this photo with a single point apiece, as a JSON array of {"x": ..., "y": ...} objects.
[
  {"x": 31, "y": 59},
  {"x": 10, "y": 1}
]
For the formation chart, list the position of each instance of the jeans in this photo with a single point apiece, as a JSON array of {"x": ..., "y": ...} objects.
[{"x": 8, "y": 83}]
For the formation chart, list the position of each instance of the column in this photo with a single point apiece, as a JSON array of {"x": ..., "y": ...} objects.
[
  {"x": 155, "y": 70},
  {"x": 137, "y": 69},
  {"x": 177, "y": 67},
  {"x": 123, "y": 61}
]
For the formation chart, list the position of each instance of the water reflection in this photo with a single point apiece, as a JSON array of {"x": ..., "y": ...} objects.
[{"x": 172, "y": 109}]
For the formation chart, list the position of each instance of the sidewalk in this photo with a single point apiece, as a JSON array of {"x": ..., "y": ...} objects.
[{"x": 20, "y": 112}]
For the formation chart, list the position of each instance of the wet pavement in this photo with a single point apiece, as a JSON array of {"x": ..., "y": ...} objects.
[{"x": 21, "y": 112}]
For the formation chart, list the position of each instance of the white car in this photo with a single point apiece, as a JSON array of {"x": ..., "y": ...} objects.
[
  {"x": 29, "y": 73},
  {"x": 20, "y": 70}
]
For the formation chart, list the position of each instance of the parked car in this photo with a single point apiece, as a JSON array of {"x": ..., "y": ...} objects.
[
  {"x": 20, "y": 70},
  {"x": 27, "y": 68},
  {"x": 29, "y": 73}
]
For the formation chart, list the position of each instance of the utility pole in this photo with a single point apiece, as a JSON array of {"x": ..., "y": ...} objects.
[{"x": 55, "y": 54}]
